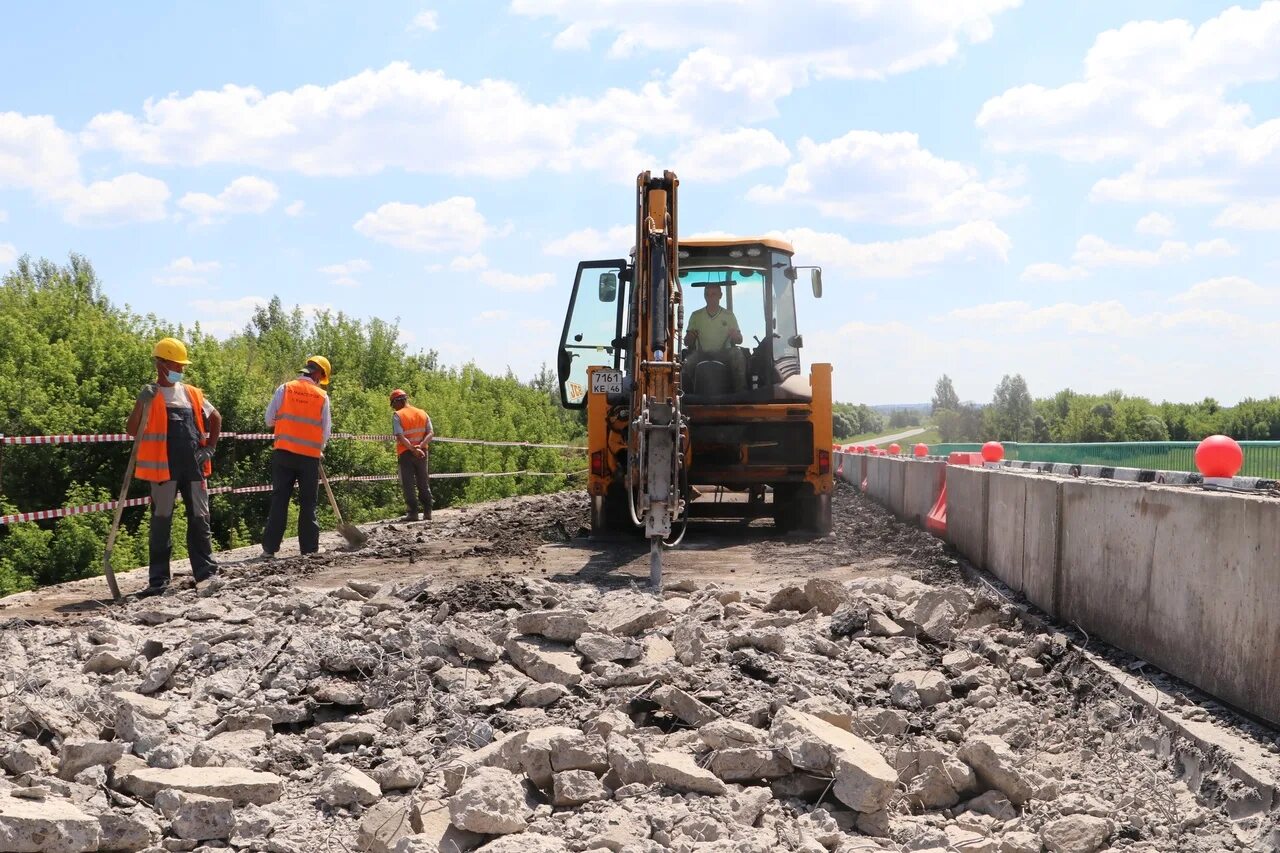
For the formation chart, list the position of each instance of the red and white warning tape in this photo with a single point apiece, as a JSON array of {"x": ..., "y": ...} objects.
[
  {"x": 83, "y": 509},
  {"x": 64, "y": 439},
  {"x": 100, "y": 438}
]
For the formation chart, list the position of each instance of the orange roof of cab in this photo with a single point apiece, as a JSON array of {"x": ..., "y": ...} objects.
[{"x": 725, "y": 242}]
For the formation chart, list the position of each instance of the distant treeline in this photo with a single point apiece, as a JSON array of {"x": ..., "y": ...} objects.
[
  {"x": 1067, "y": 416},
  {"x": 72, "y": 362}
]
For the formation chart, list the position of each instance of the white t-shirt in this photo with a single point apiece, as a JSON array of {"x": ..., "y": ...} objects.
[{"x": 175, "y": 397}]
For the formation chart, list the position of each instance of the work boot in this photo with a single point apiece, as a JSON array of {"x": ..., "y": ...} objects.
[
  {"x": 155, "y": 589},
  {"x": 211, "y": 572},
  {"x": 410, "y": 516}
]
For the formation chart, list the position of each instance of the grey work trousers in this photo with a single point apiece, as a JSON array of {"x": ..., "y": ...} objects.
[
  {"x": 415, "y": 480},
  {"x": 164, "y": 497}
]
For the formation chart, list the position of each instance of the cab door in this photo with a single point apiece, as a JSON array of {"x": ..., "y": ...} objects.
[{"x": 592, "y": 327}]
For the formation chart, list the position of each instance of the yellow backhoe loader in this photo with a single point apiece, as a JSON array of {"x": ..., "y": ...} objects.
[{"x": 667, "y": 417}]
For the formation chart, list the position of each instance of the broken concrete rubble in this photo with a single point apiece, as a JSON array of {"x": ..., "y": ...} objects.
[{"x": 846, "y": 713}]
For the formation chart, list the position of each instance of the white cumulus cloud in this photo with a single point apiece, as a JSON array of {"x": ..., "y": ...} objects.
[
  {"x": 344, "y": 274},
  {"x": 867, "y": 39},
  {"x": 186, "y": 272},
  {"x": 1251, "y": 215},
  {"x": 972, "y": 242},
  {"x": 247, "y": 194},
  {"x": 1228, "y": 289},
  {"x": 589, "y": 243},
  {"x": 1093, "y": 251},
  {"x": 127, "y": 198},
  {"x": 1158, "y": 98},
  {"x": 887, "y": 177},
  {"x": 517, "y": 283},
  {"x": 38, "y": 156},
  {"x": 1155, "y": 224},
  {"x": 722, "y": 156},
  {"x": 426, "y": 21},
  {"x": 450, "y": 225},
  {"x": 1052, "y": 272},
  {"x": 469, "y": 263}
]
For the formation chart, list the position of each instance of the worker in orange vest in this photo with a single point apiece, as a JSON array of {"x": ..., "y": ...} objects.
[
  {"x": 299, "y": 414},
  {"x": 411, "y": 427},
  {"x": 175, "y": 457}
]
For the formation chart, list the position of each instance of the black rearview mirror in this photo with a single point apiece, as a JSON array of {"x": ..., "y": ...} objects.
[
  {"x": 815, "y": 278},
  {"x": 608, "y": 286}
]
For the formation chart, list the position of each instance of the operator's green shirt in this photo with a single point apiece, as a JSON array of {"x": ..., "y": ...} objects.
[{"x": 713, "y": 330}]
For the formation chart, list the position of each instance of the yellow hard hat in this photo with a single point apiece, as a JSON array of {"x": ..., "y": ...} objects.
[
  {"x": 171, "y": 349},
  {"x": 323, "y": 363}
]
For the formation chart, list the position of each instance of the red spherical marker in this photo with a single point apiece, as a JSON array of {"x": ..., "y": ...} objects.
[
  {"x": 921, "y": 450},
  {"x": 872, "y": 448},
  {"x": 992, "y": 451},
  {"x": 859, "y": 449},
  {"x": 895, "y": 449},
  {"x": 1219, "y": 457}
]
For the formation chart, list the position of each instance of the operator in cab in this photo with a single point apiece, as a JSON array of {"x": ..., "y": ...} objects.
[{"x": 713, "y": 335}]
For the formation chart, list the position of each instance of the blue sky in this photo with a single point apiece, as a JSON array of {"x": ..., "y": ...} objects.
[{"x": 1085, "y": 193}]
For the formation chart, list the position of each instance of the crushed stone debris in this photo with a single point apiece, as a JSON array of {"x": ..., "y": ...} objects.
[{"x": 893, "y": 708}]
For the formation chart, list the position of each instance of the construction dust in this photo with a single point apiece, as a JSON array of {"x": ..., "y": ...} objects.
[{"x": 894, "y": 709}]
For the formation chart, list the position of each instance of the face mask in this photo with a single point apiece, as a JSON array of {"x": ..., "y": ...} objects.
[{"x": 174, "y": 376}]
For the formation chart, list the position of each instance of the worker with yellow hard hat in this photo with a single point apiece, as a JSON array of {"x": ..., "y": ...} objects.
[
  {"x": 411, "y": 428},
  {"x": 299, "y": 414},
  {"x": 180, "y": 430}
]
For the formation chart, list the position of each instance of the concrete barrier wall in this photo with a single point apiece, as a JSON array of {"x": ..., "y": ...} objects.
[
  {"x": 967, "y": 511},
  {"x": 922, "y": 485},
  {"x": 897, "y": 475},
  {"x": 1186, "y": 579}
]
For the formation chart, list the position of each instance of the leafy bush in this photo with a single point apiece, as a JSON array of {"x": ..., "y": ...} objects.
[{"x": 72, "y": 362}]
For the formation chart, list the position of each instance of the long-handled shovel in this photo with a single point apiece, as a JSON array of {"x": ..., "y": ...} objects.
[
  {"x": 354, "y": 535},
  {"x": 124, "y": 495}
]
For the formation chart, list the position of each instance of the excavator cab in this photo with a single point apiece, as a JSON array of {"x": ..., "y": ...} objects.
[{"x": 672, "y": 416}]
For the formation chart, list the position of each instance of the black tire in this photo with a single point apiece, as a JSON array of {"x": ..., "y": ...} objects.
[
  {"x": 609, "y": 514},
  {"x": 798, "y": 509},
  {"x": 818, "y": 514},
  {"x": 786, "y": 508}
]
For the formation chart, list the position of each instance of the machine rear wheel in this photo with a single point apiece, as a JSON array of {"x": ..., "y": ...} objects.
[
  {"x": 609, "y": 514},
  {"x": 795, "y": 508}
]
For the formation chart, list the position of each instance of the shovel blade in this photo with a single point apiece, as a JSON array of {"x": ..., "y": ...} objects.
[{"x": 354, "y": 535}]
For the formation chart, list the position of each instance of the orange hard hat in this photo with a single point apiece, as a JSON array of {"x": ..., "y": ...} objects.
[{"x": 396, "y": 394}]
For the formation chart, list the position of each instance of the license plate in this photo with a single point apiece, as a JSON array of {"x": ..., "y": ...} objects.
[{"x": 606, "y": 382}]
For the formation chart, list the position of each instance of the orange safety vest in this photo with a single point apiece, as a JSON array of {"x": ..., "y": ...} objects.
[
  {"x": 300, "y": 420},
  {"x": 153, "y": 447},
  {"x": 413, "y": 422}
]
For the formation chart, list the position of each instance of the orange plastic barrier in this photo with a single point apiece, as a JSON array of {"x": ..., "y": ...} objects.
[{"x": 936, "y": 522}]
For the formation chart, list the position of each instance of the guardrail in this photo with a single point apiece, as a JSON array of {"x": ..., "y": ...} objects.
[{"x": 1261, "y": 458}]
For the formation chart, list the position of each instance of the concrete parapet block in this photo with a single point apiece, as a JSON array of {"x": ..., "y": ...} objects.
[
  {"x": 1023, "y": 534},
  {"x": 1184, "y": 579},
  {"x": 921, "y": 488},
  {"x": 967, "y": 512},
  {"x": 1007, "y": 520},
  {"x": 897, "y": 476},
  {"x": 878, "y": 479}
]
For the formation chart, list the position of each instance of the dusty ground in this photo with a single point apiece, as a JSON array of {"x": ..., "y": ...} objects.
[
  {"x": 545, "y": 536},
  {"x": 877, "y": 699}
]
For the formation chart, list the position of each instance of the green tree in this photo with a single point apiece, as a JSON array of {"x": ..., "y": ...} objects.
[
  {"x": 1011, "y": 412},
  {"x": 945, "y": 398},
  {"x": 72, "y": 362}
]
